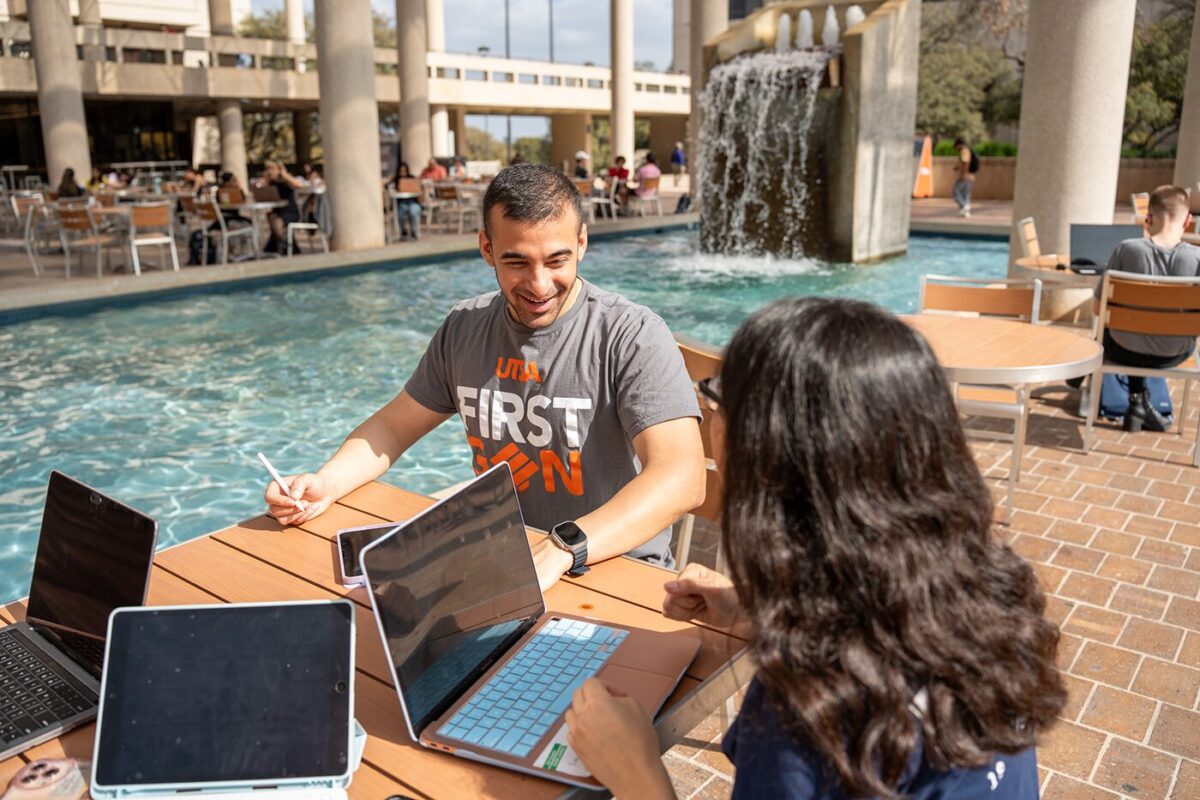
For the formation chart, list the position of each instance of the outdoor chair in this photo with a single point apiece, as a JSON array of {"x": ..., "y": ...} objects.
[
  {"x": 313, "y": 228},
  {"x": 649, "y": 185},
  {"x": 1154, "y": 306},
  {"x": 702, "y": 361},
  {"x": 1028, "y": 238},
  {"x": 985, "y": 297},
  {"x": 210, "y": 215},
  {"x": 29, "y": 211},
  {"x": 587, "y": 189},
  {"x": 1141, "y": 206},
  {"x": 77, "y": 230},
  {"x": 450, "y": 200},
  {"x": 231, "y": 196},
  {"x": 151, "y": 225}
]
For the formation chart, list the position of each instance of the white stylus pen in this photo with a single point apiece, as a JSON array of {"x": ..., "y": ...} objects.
[{"x": 279, "y": 479}]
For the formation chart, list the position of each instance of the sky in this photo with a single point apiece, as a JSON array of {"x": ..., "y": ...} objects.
[{"x": 580, "y": 36}]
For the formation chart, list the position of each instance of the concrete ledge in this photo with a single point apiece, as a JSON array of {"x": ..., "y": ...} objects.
[
  {"x": 78, "y": 294},
  {"x": 964, "y": 228}
]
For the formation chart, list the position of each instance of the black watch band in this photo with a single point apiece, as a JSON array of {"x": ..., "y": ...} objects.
[{"x": 570, "y": 537}]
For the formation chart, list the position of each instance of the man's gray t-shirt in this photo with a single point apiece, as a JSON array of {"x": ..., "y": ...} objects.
[
  {"x": 561, "y": 404},
  {"x": 1145, "y": 257}
]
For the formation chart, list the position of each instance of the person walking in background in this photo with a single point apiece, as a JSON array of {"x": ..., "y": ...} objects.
[
  {"x": 965, "y": 169},
  {"x": 678, "y": 162}
]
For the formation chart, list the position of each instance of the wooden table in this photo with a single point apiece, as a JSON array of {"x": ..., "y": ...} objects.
[
  {"x": 258, "y": 560},
  {"x": 993, "y": 351}
]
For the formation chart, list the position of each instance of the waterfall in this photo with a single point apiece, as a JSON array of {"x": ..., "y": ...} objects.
[{"x": 754, "y": 184}]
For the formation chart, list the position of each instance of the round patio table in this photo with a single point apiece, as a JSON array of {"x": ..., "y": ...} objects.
[{"x": 994, "y": 351}]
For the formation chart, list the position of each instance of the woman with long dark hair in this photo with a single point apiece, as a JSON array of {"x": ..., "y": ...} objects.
[{"x": 901, "y": 646}]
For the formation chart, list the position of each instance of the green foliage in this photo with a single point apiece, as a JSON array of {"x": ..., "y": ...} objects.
[
  {"x": 535, "y": 149},
  {"x": 1157, "y": 72},
  {"x": 602, "y": 154},
  {"x": 987, "y": 148},
  {"x": 482, "y": 146},
  {"x": 383, "y": 28},
  {"x": 271, "y": 24}
]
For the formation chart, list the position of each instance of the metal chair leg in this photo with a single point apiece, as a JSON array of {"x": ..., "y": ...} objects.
[
  {"x": 683, "y": 548},
  {"x": 137, "y": 262},
  {"x": 174, "y": 255},
  {"x": 1187, "y": 390},
  {"x": 1095, "y": 382}
]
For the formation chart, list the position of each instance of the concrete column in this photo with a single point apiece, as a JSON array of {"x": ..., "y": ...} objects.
[
  {"x": 681, "y": 38},
  {"x": 89, "y": 13},
  {"x": 293, "y": 11},
  {"x": 412, "y": 41},
  {"x": 59, "y": 87},
  {"x": 570, "y": 133},
  {"x": 439, "y": 129},
  {"x": 90, "y": 21},
  {"x": 435, "y": 26},
  {"x": 709, "y": 18},
  {"x": 302, "y": 132},
  {"x": 350, "y": 121},
  {"x": 460, "y": 132},
  {"x": 1072, "y": 110},
  {"x": 621, "y": 46},
  {"x": 1187, "y": 155},
  {"x": 220, "y": 18},
  {"x": 233, "y": 140}
]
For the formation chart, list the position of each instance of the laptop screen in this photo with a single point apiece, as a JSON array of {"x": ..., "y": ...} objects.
[
  {"x": 452, "y": 589},
  {"x": 1093, "y": 244},
  {"x": 227, "y": 693},
  {"x": 93, "y": 555}
]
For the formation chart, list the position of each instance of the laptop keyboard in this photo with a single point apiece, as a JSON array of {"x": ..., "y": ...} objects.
[
  {"x": 33, "y": 695},
  {"x": 514, "y": 709}
]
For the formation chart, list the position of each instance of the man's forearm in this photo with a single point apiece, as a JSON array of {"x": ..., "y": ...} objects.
[{"x": 368, "y": 452}]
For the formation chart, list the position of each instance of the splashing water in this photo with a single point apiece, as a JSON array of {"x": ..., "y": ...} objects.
[{"x": 755, "y": 188}]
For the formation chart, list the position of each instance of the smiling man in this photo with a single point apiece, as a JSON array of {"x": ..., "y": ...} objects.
[{"x": 582, "y": 392}]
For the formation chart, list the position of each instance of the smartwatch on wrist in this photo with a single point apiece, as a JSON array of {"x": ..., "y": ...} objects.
[{"x": 570, "y": 537}]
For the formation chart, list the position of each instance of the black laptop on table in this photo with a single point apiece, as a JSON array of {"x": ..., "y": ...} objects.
[
  {"x": 1091, "y": 245},
  {"x": 93, "y": 556}
]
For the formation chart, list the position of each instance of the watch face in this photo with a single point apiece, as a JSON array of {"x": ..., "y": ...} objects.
[{"x": 570, "y": 533}]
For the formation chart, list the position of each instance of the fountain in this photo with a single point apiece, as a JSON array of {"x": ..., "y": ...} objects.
[{"x": 807, "y": 149}]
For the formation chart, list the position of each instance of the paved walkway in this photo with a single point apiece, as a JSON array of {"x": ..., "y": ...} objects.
[{"x": 988, "y": 217}]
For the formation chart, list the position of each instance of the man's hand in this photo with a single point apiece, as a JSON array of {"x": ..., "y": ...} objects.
[
  {"x": 551, "y": 561},
  {"x": 310, "y": 498},
  {"x": 703, "y": 595},
  {"x": 614, "y": 739}
]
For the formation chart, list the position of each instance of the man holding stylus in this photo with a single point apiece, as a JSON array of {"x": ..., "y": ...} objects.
[{"x": 581, "y": 391}]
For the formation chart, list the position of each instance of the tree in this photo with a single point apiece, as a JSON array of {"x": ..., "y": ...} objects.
[
  {"x": 535, "y": 149},
  {"x": 1157, "y": 74},
  {"x": 482, "y": 146}
]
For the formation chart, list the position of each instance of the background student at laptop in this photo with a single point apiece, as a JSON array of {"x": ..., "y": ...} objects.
[
  {"x": 575, "y": 387},
  {"x": 1162, "y": 253}
]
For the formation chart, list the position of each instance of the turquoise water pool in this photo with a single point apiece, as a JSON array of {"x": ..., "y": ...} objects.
[{"x": 163, "y": 405}]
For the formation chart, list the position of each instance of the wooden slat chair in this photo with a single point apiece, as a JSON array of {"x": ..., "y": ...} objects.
[
  {"x": 1141, "y": 206},
  {"x": 1154, "y": 306},
  {"x": 649, "y": 185},
  {"x": 313, "y": 228},
  {"x": 210, "y": 214},
  {"x": 702, "y": 361},
  {"x": 151, "y": 225},
  {"x": 1028, "y": 238},
  {"x": 29, "y": 211},
  {"x": 1013, "y": 299},
  {"x": 77, "y": 229}
]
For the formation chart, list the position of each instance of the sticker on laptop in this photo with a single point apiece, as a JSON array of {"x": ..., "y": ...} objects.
[{"x": 559, "y": 757}]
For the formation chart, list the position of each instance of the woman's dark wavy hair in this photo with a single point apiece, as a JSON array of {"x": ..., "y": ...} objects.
[{"x": 858, "y": 530}]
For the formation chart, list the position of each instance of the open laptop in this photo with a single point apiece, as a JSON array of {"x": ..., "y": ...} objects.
[
  {"x": 230, "y": 699},
  {"x": 1091, "y": 245},
  {"x": 265, "y": 192},
  {"x": 482, "y": 671},
  {"x": 94, "y": 555}
]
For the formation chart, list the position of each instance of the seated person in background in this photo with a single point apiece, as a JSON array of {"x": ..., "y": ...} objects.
[
  {"x": 193, "y": 182},
  {"x": 96, "y": 182},
  {"x": 582, "y": 392},
  {"x": 1162, "y": 253},
  {"x": 67, "y": 187},
  {"x": 433, "y": 171},
  {"x": 231, "y": 188},
  {"x": 458, "y": 169},
  {"x": 647, "y": 170},
  {"x": 277, "y": 175},
  {"x": 312, "y": 175},
  {"x": 408, "y": 209},
  {"x": 581, "y": 165},
  {"x": 900, "y": 645},
  {"x": 618, "y": 174}
]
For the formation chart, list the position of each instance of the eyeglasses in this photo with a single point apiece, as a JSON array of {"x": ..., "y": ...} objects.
[{"x": 710, "y": 389}]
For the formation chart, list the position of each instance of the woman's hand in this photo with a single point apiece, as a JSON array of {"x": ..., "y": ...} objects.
[
  {"x": 702, "y": 595},
  {"x": 614, "y": 739}
]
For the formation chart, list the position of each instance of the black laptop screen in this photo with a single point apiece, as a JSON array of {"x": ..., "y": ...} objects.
[
  {"x": 226, "y": 693},
  {"x": 93, "y": 555},
  {"x": 453, "y": 587}
]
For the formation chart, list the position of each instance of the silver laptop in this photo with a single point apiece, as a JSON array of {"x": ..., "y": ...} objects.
[
  {"x": 230, "y": 699},
  {"x": 482, "y": 670},
  {"x": 94, "y": 555}
]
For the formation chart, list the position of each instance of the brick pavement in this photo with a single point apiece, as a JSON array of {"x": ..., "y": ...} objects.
[{"x": 1114, "y": 536}]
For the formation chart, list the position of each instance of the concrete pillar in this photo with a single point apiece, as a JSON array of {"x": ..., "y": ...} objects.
[
  {"x": 439, "y": 130},
  {"x": 302, "y": 133},
  {"x": 435, "y": 26},
  {"x": 570, "y": 133},
  {"x": 350, "y": 121},
  {"x": 293, "y": 11},
  {"x": 1072, "y": 110},
  {"x": 708, "y": 19},
  {"x": 681, "y": 36},
  {"x": 460, "y": 132},
  {"x": 412, "y": 41},
  {"x": 233, "y": 140},
  {"x": 60, "y": 93},
  {"x": 220, "y": 18},
  {"x": 621, "y": 46},
  {"x": 1187, "y": 155},
  {"x": 91, "y": 23},
  {"x": 89, "y": 13}
]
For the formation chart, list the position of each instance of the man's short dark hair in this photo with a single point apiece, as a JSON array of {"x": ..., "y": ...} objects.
[
  {"x": 531, "y": 193},
  {"x": 1169, "y": 201}
]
